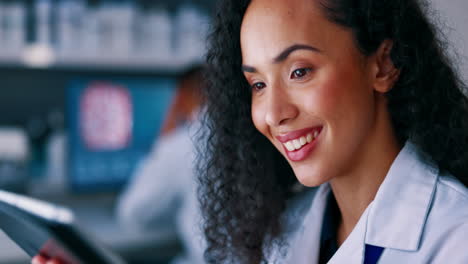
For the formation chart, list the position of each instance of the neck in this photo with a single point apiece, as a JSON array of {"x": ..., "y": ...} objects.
[{"x": 356, "y": 190}]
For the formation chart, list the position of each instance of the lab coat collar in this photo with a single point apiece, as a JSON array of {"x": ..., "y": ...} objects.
[
  {"x": 398, "y": 213},
  {"x": 396, "y": 217},
  {"x": 352, "y": 250}
]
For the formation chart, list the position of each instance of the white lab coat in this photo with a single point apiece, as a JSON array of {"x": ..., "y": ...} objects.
[{"x": 418, "y": 215}]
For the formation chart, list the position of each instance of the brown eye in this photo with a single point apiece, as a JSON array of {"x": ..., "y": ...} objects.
[
  {"x": 300, "y": 73},
  {"x": 258, "y": 86}
]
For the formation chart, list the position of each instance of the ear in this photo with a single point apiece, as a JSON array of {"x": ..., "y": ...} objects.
[{"x": 384, "y": 72}]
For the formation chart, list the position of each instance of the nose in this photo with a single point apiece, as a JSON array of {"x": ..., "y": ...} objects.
[{"x": 280, "y": 107}]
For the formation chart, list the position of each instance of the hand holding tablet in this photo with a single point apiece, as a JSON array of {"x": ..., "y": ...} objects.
[
  {"x": 47, "y": 233},
  {"x": 44, "y": 260}
]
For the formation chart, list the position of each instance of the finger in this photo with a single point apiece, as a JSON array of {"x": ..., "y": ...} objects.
[
  {"x": 53, "y": 261},
  {"x": 39, "y": 260}
]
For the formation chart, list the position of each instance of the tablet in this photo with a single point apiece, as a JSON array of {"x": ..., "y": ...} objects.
[{"x": 43, "y": 228}]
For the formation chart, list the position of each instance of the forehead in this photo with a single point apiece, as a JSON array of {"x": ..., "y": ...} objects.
[
  {"x": 282, "y": 9},
  {"x": 271, "y": 25}
]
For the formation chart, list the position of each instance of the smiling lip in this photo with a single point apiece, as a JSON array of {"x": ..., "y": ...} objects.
[
  {"x": 297, "y": 134},
  {"x": 305, "y": 150}
]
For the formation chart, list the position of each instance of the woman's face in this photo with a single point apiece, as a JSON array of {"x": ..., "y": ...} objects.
[{"x": 312, "y": 89}]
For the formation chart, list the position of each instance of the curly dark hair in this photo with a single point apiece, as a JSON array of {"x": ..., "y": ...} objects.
[{"x": 245, "y": 182}]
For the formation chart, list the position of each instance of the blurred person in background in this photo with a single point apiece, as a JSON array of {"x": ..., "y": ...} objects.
[{"x": 164, "y": 187}]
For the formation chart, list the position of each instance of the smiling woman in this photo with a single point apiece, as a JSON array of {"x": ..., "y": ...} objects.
[
  {"x": 324, "y": 85},
  {"x": 329, "y": 122}
]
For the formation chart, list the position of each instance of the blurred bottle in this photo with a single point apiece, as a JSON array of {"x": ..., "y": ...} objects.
[
  {"x": 40, "y": 52},
  {"x": 123, "y": 13},
  {"x": 115, "y": 20},
  {"x": 191, "y": 31},
  {"x": 50, "y": 155},
  {"x": 154, "y": 32},
  {"x": 38, "y": 131},
  {"x": 91, "y": 31},
  {"x": 14, "y": 157},
  {"x": 43, "y": 14},
  {"x": 12, "y": 26},
  {"x": 71, "y": 16},
  {"x": 56, "y": 153}
]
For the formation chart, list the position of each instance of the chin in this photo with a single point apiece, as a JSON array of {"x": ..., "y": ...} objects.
[{"x": 310, "y": 179}]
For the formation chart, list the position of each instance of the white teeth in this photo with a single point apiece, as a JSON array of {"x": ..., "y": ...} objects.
[
  {"x": 297, "y": 144},
  {"x": 289, "y": 145},
  {"x": 303, "y": 141}
]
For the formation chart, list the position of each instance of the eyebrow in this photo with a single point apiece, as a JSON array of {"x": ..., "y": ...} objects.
[{"x": 284, "y": 55}]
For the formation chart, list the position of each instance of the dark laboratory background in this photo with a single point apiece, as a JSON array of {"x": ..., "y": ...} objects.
[{"x": 84, "y": 89}]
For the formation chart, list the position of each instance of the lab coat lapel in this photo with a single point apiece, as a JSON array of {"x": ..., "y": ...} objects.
[
  {"x": 395, "y": 219},
  {"x": 352, "y": 250},
  {"x": 306, "y": 246},
  {"x": 407, "y": 177},
  {"x": 403, "y": 202}
]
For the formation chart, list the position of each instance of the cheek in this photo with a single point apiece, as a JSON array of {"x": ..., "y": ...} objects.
[
  {"x": 328, "y": 98},
  {"x": 343, "y": 97},
  {"x": 323, "y": 101}
]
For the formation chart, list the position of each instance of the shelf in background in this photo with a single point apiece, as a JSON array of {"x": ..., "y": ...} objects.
[{"x": 136, "y": 64}]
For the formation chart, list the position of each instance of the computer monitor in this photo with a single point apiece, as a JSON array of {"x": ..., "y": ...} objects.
[{"x": 112, "y": 124}]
